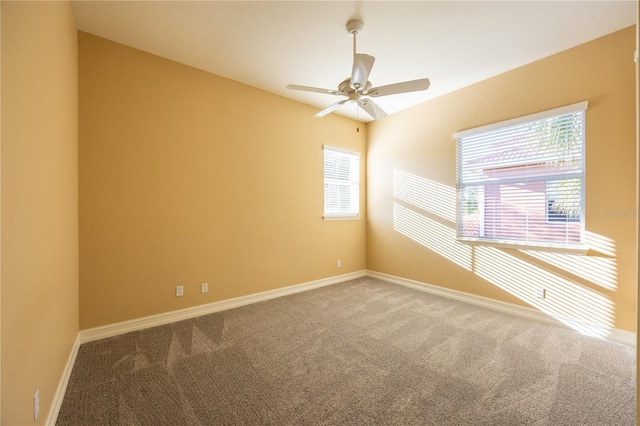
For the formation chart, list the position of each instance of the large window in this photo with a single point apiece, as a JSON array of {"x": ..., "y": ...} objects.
[
  {"x": 341, "y": 183},
  {"x": 522, "y": 181}
]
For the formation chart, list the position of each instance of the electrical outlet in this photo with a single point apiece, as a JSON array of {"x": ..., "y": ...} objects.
[
  {"x": 204, "y": 287},
  {"x": 36, "y": 405},
  {"x": 180, "y": 290},
  {"x": 339, "y": 263},
  {"x": 541, "y": 293}
]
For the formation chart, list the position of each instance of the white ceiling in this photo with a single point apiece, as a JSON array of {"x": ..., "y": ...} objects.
[{"x": 269, "y": 44}]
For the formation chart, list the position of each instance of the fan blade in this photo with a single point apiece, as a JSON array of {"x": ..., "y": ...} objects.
[
  {"x": 313, "y": 89},
  {"x": 393, "y": 89},
  {"x": 362, "y": 65},
  {"x": 372, "y": 109},
  {"x": 331, "y": 108}
]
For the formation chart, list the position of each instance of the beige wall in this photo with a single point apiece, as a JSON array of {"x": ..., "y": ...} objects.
[
  {"x": 187, "y": 177},
  {"x": 412, "y": 174},
  {"x": 39, "y": 203}
]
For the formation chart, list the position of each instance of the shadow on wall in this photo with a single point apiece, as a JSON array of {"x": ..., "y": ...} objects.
[{"x": 424, "y": 211}]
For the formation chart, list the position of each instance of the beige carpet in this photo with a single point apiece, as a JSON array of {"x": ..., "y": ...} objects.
[{"x": 364, "y": 352}]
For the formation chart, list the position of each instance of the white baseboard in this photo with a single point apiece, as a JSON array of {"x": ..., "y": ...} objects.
[
  {"x": 62, "y": 384},
  {"x": 88, "y": 335},
  {"x": 115, "y": 329},
  {"x": 613, "y": 334}
]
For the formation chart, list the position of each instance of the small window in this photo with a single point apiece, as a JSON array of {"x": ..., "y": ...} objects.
[
  {"x": 522, "y": 181},
  {"x": 341, "y": 183}
]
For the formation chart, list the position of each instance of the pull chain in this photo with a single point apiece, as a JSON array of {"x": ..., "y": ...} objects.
[{"x": 357, "y": 119}]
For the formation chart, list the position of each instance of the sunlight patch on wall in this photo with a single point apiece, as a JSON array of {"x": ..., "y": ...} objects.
[
  {"x": 602, "y": 271},
  {"x": 426, "y": 194},
  {"x": 580, "y": 308},
  {"x": 431, "y": 234},
  {"x": 600, "y": 243}
]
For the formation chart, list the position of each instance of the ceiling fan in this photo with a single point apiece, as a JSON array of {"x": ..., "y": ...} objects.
[{"x": 358, "y": 88}]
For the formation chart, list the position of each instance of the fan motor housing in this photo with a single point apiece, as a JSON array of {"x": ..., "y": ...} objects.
[{"x": 345, "y": 87}]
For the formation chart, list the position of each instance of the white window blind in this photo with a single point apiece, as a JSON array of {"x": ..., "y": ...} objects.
[
  {"x": 341, "y": 183},
  {"x": 522, "y": 181}
]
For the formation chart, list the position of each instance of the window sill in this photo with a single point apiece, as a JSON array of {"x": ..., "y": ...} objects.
[
  {"x": 331, "y": 218},
  {"x": 572, "y": 249}
]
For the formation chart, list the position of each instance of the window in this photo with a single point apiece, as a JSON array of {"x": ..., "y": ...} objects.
[
  {"x": 341, "y": 183},
  {"x": 522, "y": 181}
]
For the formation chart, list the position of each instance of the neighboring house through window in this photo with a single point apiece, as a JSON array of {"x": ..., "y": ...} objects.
[
  {"x": 522, "y": 181},
  {"x": 341, "y": 183}
]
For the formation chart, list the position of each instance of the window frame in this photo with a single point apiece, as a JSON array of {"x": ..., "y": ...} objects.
[
  {"x": 580, "y": 247},
  {"x": 354, "y": 184}
]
